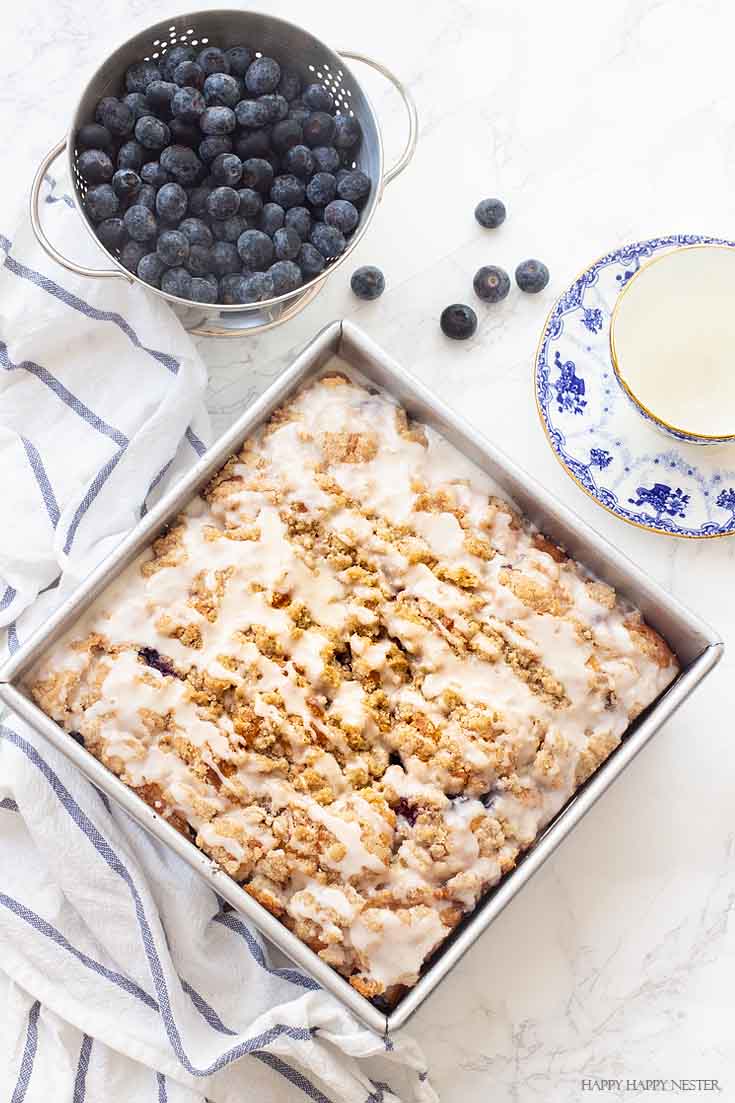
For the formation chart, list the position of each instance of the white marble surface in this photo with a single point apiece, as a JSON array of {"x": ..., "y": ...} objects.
[{"x": 597, "y": 124}]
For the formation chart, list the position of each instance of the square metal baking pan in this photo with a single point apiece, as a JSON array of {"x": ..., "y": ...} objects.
[{"x": 697, "y": 646}]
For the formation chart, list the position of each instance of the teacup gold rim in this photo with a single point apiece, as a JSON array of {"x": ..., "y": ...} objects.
[{"x": 691, "y": 434}]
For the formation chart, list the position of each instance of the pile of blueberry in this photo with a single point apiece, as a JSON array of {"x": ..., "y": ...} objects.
[
  {"x": 491, "y": 283},
  {"x": 219, "y": 178}
]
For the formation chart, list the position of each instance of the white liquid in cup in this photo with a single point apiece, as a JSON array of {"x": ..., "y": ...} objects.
[{"x": 673, "y": 339}]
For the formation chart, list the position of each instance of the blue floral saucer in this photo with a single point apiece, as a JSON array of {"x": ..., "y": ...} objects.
[{"x": 630, "y": 468}]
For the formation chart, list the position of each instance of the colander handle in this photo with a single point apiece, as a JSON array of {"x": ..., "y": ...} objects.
[
  {"x": 43, "y": 241},
  {"x": 408, "y": 102}
]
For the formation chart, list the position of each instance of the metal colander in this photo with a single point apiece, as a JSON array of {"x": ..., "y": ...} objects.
[{"x": 292, "y": 46}]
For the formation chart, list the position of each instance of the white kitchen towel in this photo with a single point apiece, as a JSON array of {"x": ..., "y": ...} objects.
[{"x": 123, "y": 976}]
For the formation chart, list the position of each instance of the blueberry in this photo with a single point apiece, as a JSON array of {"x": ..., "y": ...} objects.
[
  {"x": 310, "y": 260},
  {"x": 251, "y": 113},
  {"x": 259, "y": 288},
  {"x": 138, "y": 104},
  {"x": 151, "y": 268},
  {"x": 213, "y": 60},
  {"x": 146, "y": 197},
  {"x": 254, "y": 144},
  {"x": 326, "y": 159},
  {"x": 171, "y": 202},
  {"x": 328, "y": 240},
  {"x": 152, "y": 133},
  {"x": 197, "y": 232},
  {"x": 321, "y": 189},
  {"x": 159, "y": 95},
  {"x": 126, "y": 183},
  {"x": 262, "y": 76},
  {"x": 491, "y": 283},
  {"x": 251, "y": 204},
  {"x": 318, "y": 98},
  {"x": 285, "y": 135},
  {"x": 214, "y": 147},
  {"x": 289, "y": 85},
  {"x": 299, "y": 112},
  {"x": 271, "y": 218},
  {"x": 319, "y": 129},
  {"x": 183, "y": 164},
  {"x": 353, "y": 185},
  {"x": 198, "y": 200},
  {"x": 368, "y": 282},
  {"x": 221, "y": 90},
  {"x": 101, "y": 202},
  {"x": 189, "y": 74},
  {"x": 188, "y": 104},
  {"x": 200, "y": 260},
  {"x": 285, "y": 274},
  {"x": 288, "y": 191},
  {"x": 299, "y": 219},
  {"x": 173, "y": 248},
  {"x": 257, "y": 173},
  {"x": 115, "y": 115},
  {"x": 112, "y": 233},
  {"x": 240, "y": 58},
  {"x": 347, "y": 132},
  {"x": 490, "y": 213},
  {"x": 255, "y": 249},
  {"x": 223, "y": 202},
  {"x": 532, "y": 276},
  {"x": 185, "y": 134},
  {"x": 342, "y": 214},
  {"x": 176, "y": 281},
  {"x": 218, "y": 120},
  {"x": 95, "y": 166},
  {"x": 152, "y": 173},
  {"x": 94, "y": 136},
  {"x": 233, "y": 289},
  {"x": 299, "y": 161},
  {"x": 140, "y": 75},
  {"x": 458, "y": 321},
  {"x": 204, "y": 290},
  {"x": 234, "y": 226},
  {"x": 131, "y": 155},
  {"x": 140, "y": 223},
  {"x": 224, "y": 258},
  {"x": 275, "y": 106},
  {"x": 173, "y": 58},
  {"x": 226, "y": 168},
  {"x": 286, "y": 244},
  {"x": 131, "y": 255}
]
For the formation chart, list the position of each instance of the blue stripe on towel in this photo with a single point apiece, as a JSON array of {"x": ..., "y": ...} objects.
[
  {"x": 80, "y": 1081},
  {"x": 44, "y": 483},
  {"x": 93, "y": 490},
  {"x": 29, "y": 1055}
]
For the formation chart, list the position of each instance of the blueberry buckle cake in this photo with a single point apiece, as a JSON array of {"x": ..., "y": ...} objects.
[{"x": 356, "y": 678}]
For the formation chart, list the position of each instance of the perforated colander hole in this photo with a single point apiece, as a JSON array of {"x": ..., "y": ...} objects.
[
  {"x": 205, "y": 41},
  {"x": 311, "y": 69},
  {"x": 195, "y": 41},
  {"x": 156, "y": 42},
  {"x": 154, "y": 56}
]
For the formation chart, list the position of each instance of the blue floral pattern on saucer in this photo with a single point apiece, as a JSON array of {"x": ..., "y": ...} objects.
[{"x": 626, "y": 464}]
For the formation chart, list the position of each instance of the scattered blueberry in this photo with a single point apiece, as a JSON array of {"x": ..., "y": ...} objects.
[
  {"x": 255, "y": 249},
  {"x": 112, "y": 233},
  {"x": 151, "y": 268},
  {"x": 407, "y": 811},
  {"x": 259, "y": 287},
  {"x": 176, "y": 281},
  {"x": 199, "y": 262},
  {"x": 204, "y": 289},
  {"x": 298, "y": 111},
  {"x": 221, "y": 90},
  {"x": 213, "y": 147},
  {"x": 94, "y": 136},
  {"x": 218, "y": 120},
  {"x": 198, "y": 201},
  {"x": 126, "y": 183},
  {"x": 532, "y": 276},
  {"x": 490, "y": 213},
  {"x": 185, "y": 134},
  {"x": 257, "y": 173},
  {"x": 140, "y": 223},
  {"x": 188, "y": 104},
  {"x": 225, "y": 259},
  {"x": 131, "y": 255},
  {"x": 223, "y": 202},
  {"x": 189, "y": 74},
  {"x": 138, "y": 104},
  {"x": 183, "y": 164},
  {"x": 251, "y": 203},
  {"x": 287, "y": 191},
  {"x": 286, "y": 244},
  {"x": 115, "y": 115},
  {"x": 299, "y": 161},
  {"x": 298, "y": 219},
  {"x": 342, "y": 214},
  {"x": 262, "y": 76},
  {"x": 310, "y": 260},
  {"x": 101, "y": 202},
  {"x": 152, "y": 173},
  {"x": 319, "y": 129},
  {"x": 152, "y": 133},
  {"x": 326, "y": 159},
  {"x": 213, "y": 60},
  {"x": 491, "y": 283},
  {"x": 239, "y": 58},
  {"x": 255, "y": 144},
  {"x": 321, "y": 189},
  {"x": 95, "y": 166},
  {"x": 275, "y": 106},
  {"x": 231, "y": 228},
  {"x": 197, "y": 232},
  {"x": 226, "y": 168},
  {"x": 171, "y": 203},
  {"x": 233, "y": 289},
  {"x": 458, "y": 321},
  {"x": 328, "y": 240},
  {"x": 286, "y": 275},
  {"x": 131, "y": 155},
  {"x": 368, "y": 282},
  {"x": 251, "y": 114},
  {"x": 173, "y": 58},
  {"x": 347, "y": 132},
  {"x": 289, "y": 85},
  {"x": 285, "y": 135},
  {"x": 159, "y": 95},
  {"x": 146, "y": 197},
  {"x": 140, "y": 75},
  {"x": 271, "y": 218},
  {"x": 318, "y": 98},
  {"x": 353, "y": 185},
  {"x": 173, "y": 248}
]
